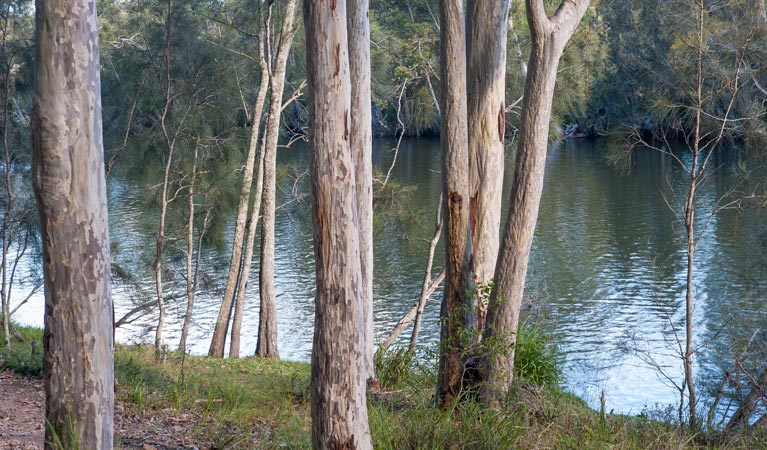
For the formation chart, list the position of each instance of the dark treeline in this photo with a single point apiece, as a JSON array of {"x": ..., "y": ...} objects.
[{"x": 627, "y": 67}]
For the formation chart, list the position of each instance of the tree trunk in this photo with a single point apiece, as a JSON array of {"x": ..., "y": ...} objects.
[
  {"x": 517, "y": 48},
  {"x": 190, "y": 277},
  {"x": 412, "y": 314},
  {"x": 5, "y": 296},
  {"x": 358, "y": 29},
  {"x": 549, "y": 37},
  {"x": 696, "y": 170},
  {"x": 749, "y": 404},
  {"x": 243, "y": 270},
  {"x": 170, "y": 145},
  {"x": 338, "y": 408},
  {"x": 427, "y": 282},
  {"x": 218, "y": 341},
  {"x": 69, "y": 183},
  {"x": 267, "y": 322},
  {"x": 455, "y": 190},
  {"x": 486, "y": 89}
]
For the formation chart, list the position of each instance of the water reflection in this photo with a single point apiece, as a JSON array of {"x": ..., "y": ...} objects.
[{"x": 608, "y": 263}]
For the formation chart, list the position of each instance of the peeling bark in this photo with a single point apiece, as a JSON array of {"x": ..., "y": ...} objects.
[
  {"x": 69, "y": 183},
  {"x": 338, "y": 407},
  {"x": 486, "y": 89}
]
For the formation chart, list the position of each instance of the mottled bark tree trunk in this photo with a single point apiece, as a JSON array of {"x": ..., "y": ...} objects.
[
  {"x": 267, "y": 322},
  {"x": 69, "y": 183},
  {"x": 358, "y": 28},
  {"x": 486, "y": 109},
  {"x": 549, "y": 37},
  {"x": 339, "y": 409},
  {"x": 455, "y": 190},
  {"x": 218, "y": 341}
]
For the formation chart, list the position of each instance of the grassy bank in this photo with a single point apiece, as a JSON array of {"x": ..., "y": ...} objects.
[{"x": 255, "y": 403}]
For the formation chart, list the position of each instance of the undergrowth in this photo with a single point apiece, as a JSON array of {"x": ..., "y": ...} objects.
[
  {"x": 254, "y": 403},
  {"x": 25, "y": 356}
]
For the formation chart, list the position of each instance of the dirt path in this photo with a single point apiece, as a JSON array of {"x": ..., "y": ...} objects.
[{"x": 22, "y": 408}]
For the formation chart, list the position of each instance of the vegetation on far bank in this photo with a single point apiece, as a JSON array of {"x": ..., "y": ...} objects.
[{"x": 264, "y": 403}]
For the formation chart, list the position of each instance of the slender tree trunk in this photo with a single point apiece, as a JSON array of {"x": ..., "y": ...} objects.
[
  {"x": 517, "y": 48},
  {"x": 339, "y": 408},
  {"x": 218, "y": 341},
  {"x": 748, "y": 405},
  {"x": 4, "y": 291},
  {"x": 170, "y": 147},
  {"x": 243, "y": 269},
  {"x": 409, "y": 316},
  {"x": 486, "y": 89},
  {"x": 426, "y": 280},
  {"x": 549, "y": 37},
  {"x": 190, "y": 278},
  {"x": 69, "y": 183},
  {"x": 358, "y": 29},
  {"x": 266, "y": 345},
  {"x": 455, "y": 193},
  {"x": 689, "y": 218},
  {"x": 234, "y": 349}
]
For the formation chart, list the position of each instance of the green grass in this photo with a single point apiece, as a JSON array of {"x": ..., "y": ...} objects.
[{"x": 26, "y": 353}]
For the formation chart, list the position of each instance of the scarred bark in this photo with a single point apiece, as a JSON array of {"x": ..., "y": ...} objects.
[
  {"x": 69, "y": 183},
  {"x": 549, "y": 37},
  {"x": 455, "y": 190},
  {"x": 486, "y": 89},
  {"x": 338, "y": 408}
]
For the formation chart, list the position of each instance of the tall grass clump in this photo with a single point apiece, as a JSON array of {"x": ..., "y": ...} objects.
[
  {"x": 535, "y": 358},
  {"x": 25, "y": 356}
]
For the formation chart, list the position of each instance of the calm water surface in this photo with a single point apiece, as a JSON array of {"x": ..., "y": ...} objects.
[{"x": 606, "y": 273}]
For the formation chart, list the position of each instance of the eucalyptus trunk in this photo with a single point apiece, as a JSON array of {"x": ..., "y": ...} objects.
[
  {"x": 358, "y": 28},
  {"x": 243, "y": 275},
  {"x": 486, "y": 108},
  {"x": 218, "y": 341},
  {"x": 338, "y": 406},
  {"x": 549, "y": 37},
  {"x": 455, "y": 194},
  {"x": 70, "y": 187},
  {"x": 266, "y": 345}
]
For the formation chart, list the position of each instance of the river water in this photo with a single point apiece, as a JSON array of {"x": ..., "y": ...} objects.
[{"x": 606, "y": 277}]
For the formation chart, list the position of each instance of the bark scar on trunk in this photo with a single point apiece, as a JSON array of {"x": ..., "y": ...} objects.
[
  {"x": 346, "y": 126},
  {"x": 473, "y": 207},
  {"x": 348, "y": 445},
  {"x": 338, "y": 57},
  {"x": 502, "y": 121},
  {"x": 456, "y": 198},
  {"x": 333, "y": 5}
]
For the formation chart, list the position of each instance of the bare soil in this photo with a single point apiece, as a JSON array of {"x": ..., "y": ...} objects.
[{"x": 22, "y": 411}]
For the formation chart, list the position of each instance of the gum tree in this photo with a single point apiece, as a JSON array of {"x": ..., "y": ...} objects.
[{"x": 69, "y": 183}]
